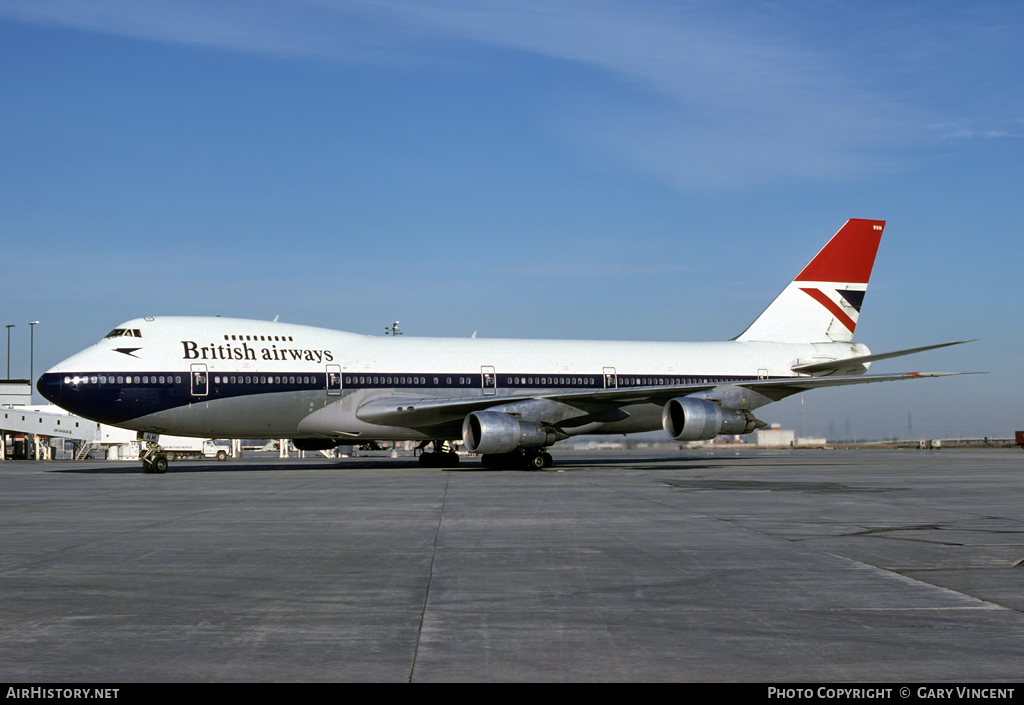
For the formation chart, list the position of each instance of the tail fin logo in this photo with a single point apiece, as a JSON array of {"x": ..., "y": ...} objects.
[{"x": 822, "y": 298}]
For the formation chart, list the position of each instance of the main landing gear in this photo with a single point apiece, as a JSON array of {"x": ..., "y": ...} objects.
[
  {"x": 442, "y": 457},
  {"x": 529, "y": 459}
]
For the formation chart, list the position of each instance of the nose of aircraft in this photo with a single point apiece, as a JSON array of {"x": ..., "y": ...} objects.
[{"x": 49, "y": 386}]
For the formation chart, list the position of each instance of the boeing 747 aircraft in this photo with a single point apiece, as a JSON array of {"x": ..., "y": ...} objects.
[{"x": 506, "y": 399}]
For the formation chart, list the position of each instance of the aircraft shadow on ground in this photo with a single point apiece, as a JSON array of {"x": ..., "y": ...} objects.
[{"x": 471, "y": 465}]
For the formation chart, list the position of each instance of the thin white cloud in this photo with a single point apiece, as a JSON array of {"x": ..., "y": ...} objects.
[
  {"x": 692, "y": 93},
  {"x": 962, "y": 130},
  {"x": 716, "y": 100}
]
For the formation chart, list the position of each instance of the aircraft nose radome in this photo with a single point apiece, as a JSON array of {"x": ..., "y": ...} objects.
[{"x": 49, "y": 386}]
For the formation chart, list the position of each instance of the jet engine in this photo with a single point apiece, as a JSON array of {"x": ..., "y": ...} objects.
[
  {"x": 689, "y": 419},
  {"x": 497, "y": 432}
]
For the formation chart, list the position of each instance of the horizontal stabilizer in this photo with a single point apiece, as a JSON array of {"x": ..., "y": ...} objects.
[
  {"x": 850, "y": 361},
  {"x": 801, "y": 384}
]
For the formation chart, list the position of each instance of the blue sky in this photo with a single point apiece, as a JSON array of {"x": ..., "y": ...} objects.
[{"x": 640, "y": 170}]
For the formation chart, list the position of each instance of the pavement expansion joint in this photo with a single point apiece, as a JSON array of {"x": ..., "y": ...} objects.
[{"x": 430, "y": 578}]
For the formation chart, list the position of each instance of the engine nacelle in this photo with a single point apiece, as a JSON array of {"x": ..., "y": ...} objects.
[
  {"x": 689, "y": 419},
  {"x": 496, "y": 432}
]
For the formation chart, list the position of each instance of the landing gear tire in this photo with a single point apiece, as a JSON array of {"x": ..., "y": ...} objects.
[
  {"x": 534, "y": 460},
  {"x": 155, "y": 464},
  {"x": 531, "y": 459}
]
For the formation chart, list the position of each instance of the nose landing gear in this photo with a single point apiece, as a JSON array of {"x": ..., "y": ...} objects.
[{"x": 154, "y": 462}]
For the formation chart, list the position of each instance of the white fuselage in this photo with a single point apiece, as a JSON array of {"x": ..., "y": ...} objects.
[{"x": 222, "y": 377}]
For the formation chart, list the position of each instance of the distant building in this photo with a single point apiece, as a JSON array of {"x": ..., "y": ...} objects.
[
  {"x": 774, "y": 436},
  {"x": 15, "y": 392},
  {"x": 811, "y": 441}
]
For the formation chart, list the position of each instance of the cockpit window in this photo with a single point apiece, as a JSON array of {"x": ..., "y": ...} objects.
[{"x": 128, "y": 332}]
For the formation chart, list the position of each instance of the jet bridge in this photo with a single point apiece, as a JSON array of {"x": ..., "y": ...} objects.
[{"x": 50, "y": 423}]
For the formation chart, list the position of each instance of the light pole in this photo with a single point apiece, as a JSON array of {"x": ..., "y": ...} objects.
[
  {"x": 31, "y": 358},
  {"x": 9, "y": 326}
]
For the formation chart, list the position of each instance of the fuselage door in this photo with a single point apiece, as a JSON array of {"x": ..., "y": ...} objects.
[
  {"x": 611, "y": 380},
  {"x": 333, "y": 380},
  {"x": 488, "y": 381},
  {"x": 200, "y": 380}
]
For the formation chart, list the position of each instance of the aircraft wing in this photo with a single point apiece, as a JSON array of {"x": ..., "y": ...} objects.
[{"x": 432, "y": 411}]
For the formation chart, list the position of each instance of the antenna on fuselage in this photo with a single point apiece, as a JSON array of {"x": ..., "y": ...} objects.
[
  {"x": 392, "y": 330},
  {"x": 275, "y": 318}
]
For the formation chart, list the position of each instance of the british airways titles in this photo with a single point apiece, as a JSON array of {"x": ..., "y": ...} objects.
[{"x": 225, "y": 352}]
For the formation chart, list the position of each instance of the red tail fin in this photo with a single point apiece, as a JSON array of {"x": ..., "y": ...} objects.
[{"x": 848, "y": 256}]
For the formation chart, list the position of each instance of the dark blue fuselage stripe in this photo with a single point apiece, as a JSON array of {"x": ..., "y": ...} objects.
[{"x": 115, "y": 402}]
